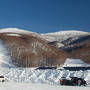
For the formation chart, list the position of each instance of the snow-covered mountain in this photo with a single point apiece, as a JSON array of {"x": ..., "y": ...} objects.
[
  {"x": 63, "y": 35},
  {"x": 23, "y": 48},
  {"x": 28, "y": 49},
  {"x": 76, "y": 43},
  {"x": 61, "y": 38},
  {"x": 17, "y": 31}
]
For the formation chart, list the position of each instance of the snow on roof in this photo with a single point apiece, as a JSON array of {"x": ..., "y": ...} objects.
[{"x": 74, "y": 63}]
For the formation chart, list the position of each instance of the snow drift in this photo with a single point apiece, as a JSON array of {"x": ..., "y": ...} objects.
[{"x": 51, "y": 77}]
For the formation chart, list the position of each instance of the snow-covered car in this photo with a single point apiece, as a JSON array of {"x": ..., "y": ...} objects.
[
  {"x": 2, "y": 79},
  {"x": 75, "y": 81}
]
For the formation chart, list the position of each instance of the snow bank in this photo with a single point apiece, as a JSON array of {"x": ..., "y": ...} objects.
[{"x": 51, "y": 77}]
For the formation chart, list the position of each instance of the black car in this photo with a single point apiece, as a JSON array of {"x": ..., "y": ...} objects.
[
  {"x": 45, "y": 67},
  {"x": 75, "y": 81}
]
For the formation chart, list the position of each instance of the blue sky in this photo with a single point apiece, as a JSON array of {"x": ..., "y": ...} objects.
[{"x": 44, "y": 16}]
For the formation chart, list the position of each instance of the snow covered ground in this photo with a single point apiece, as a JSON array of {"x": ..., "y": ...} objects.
[
  {"x": 31, "y": 79},
  {"x": 30, "y": 86}
]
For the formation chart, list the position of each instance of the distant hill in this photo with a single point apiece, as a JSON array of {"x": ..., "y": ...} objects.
[{"x": 75, "y": 43}]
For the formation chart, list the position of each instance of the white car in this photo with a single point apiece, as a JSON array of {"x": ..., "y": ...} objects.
[{"x": 2, "y": 79}]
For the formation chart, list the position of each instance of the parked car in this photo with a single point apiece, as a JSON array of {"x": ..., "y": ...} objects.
[
  {"x": 75, "y": 81},
  {"x": 45, "y": 67},
  {"x": 2, "y": 79}
]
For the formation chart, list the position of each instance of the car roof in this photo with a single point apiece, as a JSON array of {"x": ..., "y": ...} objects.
[{"x": 1, "y": 76}]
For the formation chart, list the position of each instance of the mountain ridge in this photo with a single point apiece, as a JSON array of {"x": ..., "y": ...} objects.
[{"x": 29, "y": 49}]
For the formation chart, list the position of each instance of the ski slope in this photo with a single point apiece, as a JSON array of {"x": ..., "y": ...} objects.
[{"x": 5, "y": 59}]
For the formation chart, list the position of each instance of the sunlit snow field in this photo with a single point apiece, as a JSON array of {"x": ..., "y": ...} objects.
[
  {"x": 31, "y": 79},
  {"x": 31, "y": 86}
]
